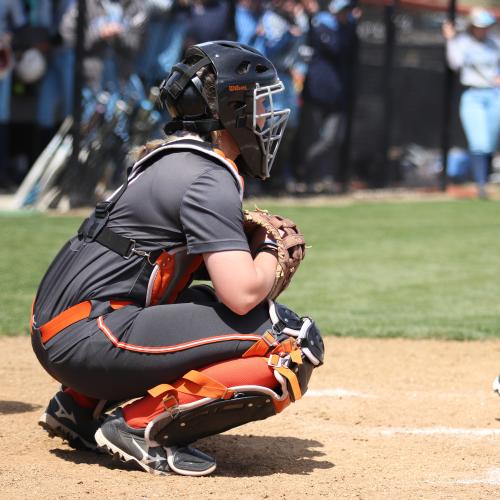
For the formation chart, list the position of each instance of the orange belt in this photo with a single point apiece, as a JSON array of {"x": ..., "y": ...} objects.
[{"x": 72, "y": 315}]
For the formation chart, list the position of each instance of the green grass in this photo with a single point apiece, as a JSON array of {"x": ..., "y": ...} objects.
[{"x": 418, "y": 270}]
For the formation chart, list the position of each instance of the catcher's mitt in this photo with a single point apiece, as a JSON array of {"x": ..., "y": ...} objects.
[{"x": 290, "y": 244}]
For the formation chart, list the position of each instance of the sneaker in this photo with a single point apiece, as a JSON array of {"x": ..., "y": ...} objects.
[
  {"x": 117, "y": 438},
  {"x": 496, "y": 385},
  {"x": 64, "y": 418}
]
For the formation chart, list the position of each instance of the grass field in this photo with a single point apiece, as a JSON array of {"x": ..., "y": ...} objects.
[{"x": 429, "y": 269}]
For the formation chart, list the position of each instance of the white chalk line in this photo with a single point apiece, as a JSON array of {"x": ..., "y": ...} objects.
[
  {"x": 337, "y": 393},
  {"x": 342, "y": 392},
  {"x": 490, "y": 478},
  {"x": 433, "y": 431}
]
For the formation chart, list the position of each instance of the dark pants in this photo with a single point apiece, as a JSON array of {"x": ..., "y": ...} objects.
[
  {"x": 122, "y": 354},
  {"x": 319, "y": 141}
]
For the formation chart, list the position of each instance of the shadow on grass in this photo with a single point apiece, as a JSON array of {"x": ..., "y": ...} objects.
[
  {"x": 12, "y": 407},
  {"x": 237, "y": 456}
]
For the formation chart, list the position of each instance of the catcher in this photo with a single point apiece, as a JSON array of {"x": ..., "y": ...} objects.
[{"x": 116, "y": 318}]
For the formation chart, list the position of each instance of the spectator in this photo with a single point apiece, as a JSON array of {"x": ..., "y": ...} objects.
[
  {"x": 163, "y": 38},
  {"x": 283, "y": 27},
  {"x": 209, "y": 20},
  {"x": 111, "y": 40},
  {"x": 476, "y": 53},
  {"x": 11, "y": 17},
  {"x": 332, "y": 37},
  {"x": 247, "y": 23},
  {"x": 56, "y": 87}
]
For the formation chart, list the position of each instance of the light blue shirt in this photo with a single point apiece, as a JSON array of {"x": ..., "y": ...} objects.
[
  {"x": 12, "y": 9},
  {"x": 478, "y": 62}
]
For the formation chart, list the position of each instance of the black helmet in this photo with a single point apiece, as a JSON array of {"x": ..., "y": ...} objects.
[{"x": 244, "y": 79}]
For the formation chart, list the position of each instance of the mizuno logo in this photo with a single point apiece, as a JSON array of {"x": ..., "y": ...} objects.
[
  {"x": 147, "y": 458},
  {"x": 62, "y": 413}
]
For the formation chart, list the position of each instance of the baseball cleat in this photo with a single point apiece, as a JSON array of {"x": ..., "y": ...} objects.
[
  {"x": 117, "y": 438},
  {"x": 65, "y": 419},
  {"x": 496, "y": 385}
]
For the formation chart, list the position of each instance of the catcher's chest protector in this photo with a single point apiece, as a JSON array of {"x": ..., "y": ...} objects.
[
  {"x": 168, "y": 271},
  {"x": 293, "y": 348}
]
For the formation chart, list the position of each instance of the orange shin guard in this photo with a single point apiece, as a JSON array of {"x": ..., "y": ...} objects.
[{"x": 234, "y": 372}]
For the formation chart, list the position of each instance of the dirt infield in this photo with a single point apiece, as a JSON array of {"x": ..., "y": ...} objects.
[{"x": 383, "y": 419}]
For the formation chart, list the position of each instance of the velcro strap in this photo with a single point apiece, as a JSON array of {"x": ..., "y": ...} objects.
[
  {"x": 280, "y": 359},
  {"x": 292, "y": 380},
  {"x": 262, "y": 346},
  {"x": 66, "y": 318},
  {"x": 161, "y": 389},
  {"x": 115, "y": 242},
  {"x": 186, "y": 73},
  {"x": 195, "y": 383},
  {"x": 200, "y": 126},
  {"x": 73, "y": 314},
  {"x": 296, "y": 356}
]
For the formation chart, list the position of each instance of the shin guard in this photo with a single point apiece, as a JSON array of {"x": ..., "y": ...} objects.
[{"x": 292, "y": 349}]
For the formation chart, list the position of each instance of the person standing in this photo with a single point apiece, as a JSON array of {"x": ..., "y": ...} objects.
[
  {"x": 11, "y": 17},
  {"x": 56, "y": 86},
  {"x": 162, "y": 38},
  {"x": 284, "y": 26},
  {"x": 209, "y": 20},
  {"x": 112, "y": 39},
  {"x": 476, "y": 54},
  {"x": 332, "y": 37}
]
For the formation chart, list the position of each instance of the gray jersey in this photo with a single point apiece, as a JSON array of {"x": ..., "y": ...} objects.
[{"x": 178, "y": 205}]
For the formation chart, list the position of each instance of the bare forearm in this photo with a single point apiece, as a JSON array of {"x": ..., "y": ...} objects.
[{"x": 241, "y": 282}]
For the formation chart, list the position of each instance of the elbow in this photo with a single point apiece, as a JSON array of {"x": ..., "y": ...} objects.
[{"x": 243, "y": 304}]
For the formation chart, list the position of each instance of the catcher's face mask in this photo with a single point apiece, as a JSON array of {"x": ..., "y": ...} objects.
[{"x": 269, "y": 123}]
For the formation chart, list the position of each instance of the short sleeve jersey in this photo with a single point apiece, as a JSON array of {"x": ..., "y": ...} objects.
[{"x": 182, "y": 202}]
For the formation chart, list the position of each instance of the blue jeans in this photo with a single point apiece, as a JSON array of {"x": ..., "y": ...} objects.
[
  {"x": 480, "y": 115},
  {"x": 56, "y": 88},
  {"x": 5, "y": 86}
]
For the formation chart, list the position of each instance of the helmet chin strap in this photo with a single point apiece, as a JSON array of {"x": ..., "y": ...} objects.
[{"x": 202, "y": 126}]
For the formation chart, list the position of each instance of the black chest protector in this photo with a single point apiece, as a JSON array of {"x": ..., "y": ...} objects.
[{"x": 94, "y": 227}]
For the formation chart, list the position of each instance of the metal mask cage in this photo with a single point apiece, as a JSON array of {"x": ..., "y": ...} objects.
[{"x": 269, "y": 123}]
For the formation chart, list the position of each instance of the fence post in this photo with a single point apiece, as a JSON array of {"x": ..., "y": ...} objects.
[
  {"x": 390, "y": 7},
  {"x": 69, "y": 184},
  {"x": 448, "y": 90}
]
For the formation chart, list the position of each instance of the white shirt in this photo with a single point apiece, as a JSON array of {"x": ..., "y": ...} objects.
[{"x": 478, "y": 61}]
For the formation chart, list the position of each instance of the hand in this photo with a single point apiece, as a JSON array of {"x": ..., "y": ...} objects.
[
  {"x": 259, "y": 236},
  {"x": 111, "y": 30},
  {"x": 448, "y": 30},
  {"x": 298, "y": 80},
  {"x": 6, "y": 38}
]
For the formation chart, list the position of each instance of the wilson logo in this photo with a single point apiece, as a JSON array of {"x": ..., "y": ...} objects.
[{"x": 237, "y": 88}]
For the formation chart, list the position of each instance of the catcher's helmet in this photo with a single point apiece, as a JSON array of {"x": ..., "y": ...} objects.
[{"x": 245, "y": 84}]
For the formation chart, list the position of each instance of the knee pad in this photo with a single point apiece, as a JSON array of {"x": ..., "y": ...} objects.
[{"x": 292, "y": 349}]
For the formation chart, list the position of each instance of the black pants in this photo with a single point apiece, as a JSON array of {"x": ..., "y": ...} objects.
[
  {"x": 320, "y": 138},
  {"x": 122, "y": 354}
]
